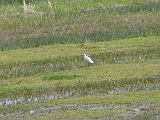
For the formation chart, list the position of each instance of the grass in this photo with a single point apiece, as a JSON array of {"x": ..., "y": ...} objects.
[
  {"x": 78, "y": 49},
  {"x": 77, "y": 26},
  {"x": 28, "y": 64},
  {"x": 60, "y": 77},
  {"x": 42, "y": 67},
  {"x": 131, "y": 99},
  {"x": 19, "y": 78},
  {"x": 125, "y": 59}
]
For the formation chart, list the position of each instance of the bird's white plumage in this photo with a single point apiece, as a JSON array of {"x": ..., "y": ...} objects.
[{"x": 86, "y": 58}]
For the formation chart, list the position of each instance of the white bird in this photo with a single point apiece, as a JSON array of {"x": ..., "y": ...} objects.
[{"x": 86, "y": 58}]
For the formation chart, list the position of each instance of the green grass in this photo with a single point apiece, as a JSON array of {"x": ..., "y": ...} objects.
[
  {"x": 114, "y": 60},
  {"x": 43, "y": 60},
  {"x": 59, "y": 50},
  {"x": 49, "y": 27},
  {"x": 41, "y": 57},
  {"x": 131, "y": 99},
  {"x": 60, "y": 77}
]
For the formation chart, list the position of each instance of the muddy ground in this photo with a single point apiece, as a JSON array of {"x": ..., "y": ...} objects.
[{"x": 131, "y": 112}]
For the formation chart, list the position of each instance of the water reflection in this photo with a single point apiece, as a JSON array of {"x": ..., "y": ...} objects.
[{"x": 9, "y": 101}]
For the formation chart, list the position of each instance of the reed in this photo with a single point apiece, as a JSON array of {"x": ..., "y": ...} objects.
[{"x": 62, "y": 27}]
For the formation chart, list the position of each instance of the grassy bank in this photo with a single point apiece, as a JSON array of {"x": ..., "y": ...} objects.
[
  {"x": 42, "y": 71},
  {"x": 120, "y": 68}
]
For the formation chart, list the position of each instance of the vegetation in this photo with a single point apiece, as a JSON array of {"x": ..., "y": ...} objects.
[
  {"x": 42, "y": 71},
  {"x": 41, "y": 24}
]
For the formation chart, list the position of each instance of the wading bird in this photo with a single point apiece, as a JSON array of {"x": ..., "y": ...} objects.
[{"x": 86, "y": 58}]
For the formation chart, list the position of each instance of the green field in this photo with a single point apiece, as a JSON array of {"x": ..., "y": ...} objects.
[{"x": 42, "y": 71}]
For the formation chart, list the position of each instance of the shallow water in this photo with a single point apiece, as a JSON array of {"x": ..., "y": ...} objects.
[{"x": 9, "y": 101}]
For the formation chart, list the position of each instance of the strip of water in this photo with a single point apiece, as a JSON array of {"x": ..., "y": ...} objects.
[{"x": 9, "y": 101}]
